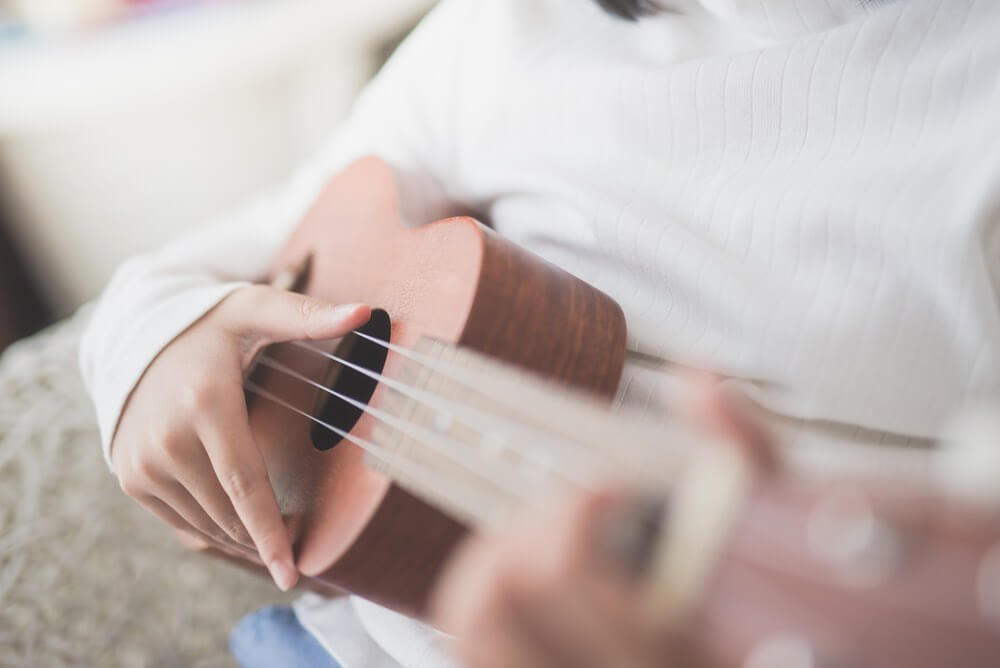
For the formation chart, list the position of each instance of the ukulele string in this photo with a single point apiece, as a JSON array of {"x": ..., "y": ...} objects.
[
  {"x": 443, "y": 369},
  {"x": 436, "y": 365},
  {"x": 375, "y": 450},
  {"x": 571, "y": 448},
  {"x": 800, "y": 574},
  {"x": 440, "y": 404},
  {"x": 449, "y": 448},
  {"x": 498, "y": 434},
  {"x": 427, "y": 473}
]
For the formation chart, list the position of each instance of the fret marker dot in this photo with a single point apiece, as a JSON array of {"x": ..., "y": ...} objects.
[
  {"x": 443, "y": 422},
  {"x": 844, "y": 533}
]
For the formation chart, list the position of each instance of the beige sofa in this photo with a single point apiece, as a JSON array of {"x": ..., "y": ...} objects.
[{"x": 88, "y": 578}]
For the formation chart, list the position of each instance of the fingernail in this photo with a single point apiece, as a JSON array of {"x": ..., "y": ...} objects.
[
  {"x": 630, "y": 531},
  {"x": 284, "y": 575},
  {"x": 346, "y": 309}
]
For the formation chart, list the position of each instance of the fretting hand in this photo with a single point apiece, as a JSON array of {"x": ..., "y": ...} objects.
[
  {"x": 184, "y": 449},
  {"x": 556, "y": 591}
]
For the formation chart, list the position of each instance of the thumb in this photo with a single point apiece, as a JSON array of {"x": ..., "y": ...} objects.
[
  {"x": 276, "y": 315},
  {"x": 730, "y": 415}
]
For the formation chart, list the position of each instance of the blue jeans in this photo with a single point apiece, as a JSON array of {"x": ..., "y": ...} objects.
[{"x": 274, "y": 637}]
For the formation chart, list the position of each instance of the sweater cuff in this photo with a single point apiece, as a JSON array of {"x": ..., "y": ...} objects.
[{"x": 156, "y": 329}]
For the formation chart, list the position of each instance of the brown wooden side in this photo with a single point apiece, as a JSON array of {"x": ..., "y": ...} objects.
[
  {"x": 526, "y": 312},
  {"x": 535, "y": 315}
]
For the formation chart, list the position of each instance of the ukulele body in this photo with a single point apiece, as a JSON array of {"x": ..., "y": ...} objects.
[{"x": 453, "y": 280}]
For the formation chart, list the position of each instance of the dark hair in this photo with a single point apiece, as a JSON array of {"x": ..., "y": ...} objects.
[{"x": 630, "y": 10}]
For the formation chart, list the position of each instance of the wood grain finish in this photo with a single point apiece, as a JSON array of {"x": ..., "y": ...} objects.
[
  {"x": 453, "y": 280},
  {"x": 565, "y": 329}
]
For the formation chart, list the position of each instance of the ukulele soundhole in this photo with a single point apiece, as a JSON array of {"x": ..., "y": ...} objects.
[{"x": 345, "y": 381}]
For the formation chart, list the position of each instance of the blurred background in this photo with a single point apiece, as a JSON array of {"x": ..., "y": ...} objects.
[{"x": 124, "y": 123}]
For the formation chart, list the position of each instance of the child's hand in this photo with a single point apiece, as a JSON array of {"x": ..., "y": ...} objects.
[
  {"x": 184, "y": 448},
  {"x": 559, "y": 588},
  {"x": 539, "y": 596}
]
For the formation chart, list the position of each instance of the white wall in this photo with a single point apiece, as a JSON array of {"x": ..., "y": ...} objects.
[{"x": 114, "y": 142}]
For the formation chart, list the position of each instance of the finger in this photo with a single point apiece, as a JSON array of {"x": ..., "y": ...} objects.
[
  {"x": 503, "y": 643},
  {"x": 184, "y": 504},
  {"x": 506, "y": 612},
  {"x": 206, "y": 494},
  {"x": 583, "y": 605},
  {"x": 471, "y": 603},
  {"x": 730, "y": 415},
  {"x": 625, "y": 536},
  {"x": 239, "y": 467},
  {"x": 596, "y": 618},
  {"x": 191, "y": 540},
  {"x": 166, "y": 514},
  {"x": 286, "y": 316},
  {"x": 571, "y": 550},
  {"x": 565, "y": 627},
  {"x": 195, "y": 539},
  {"x": 462, "y": 585},
  {"x": 196, "y": 542}
]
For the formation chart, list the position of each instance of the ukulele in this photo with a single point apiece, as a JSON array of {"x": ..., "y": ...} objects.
[{"x": 483, "y": 381}]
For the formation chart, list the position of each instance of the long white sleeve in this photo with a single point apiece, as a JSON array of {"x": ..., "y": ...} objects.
[{"x": 154, "y": 297}]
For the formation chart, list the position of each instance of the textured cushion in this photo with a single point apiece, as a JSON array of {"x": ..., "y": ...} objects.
[{"x": 86, "y": 576}]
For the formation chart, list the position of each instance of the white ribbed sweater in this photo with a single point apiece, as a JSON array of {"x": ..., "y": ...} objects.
[{"x": 803, "y": 195}]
